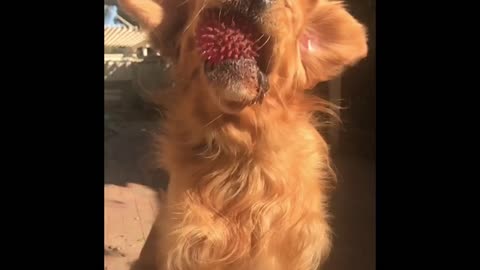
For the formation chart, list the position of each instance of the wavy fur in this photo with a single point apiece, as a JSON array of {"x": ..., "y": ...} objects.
[{"x": 249, "y": 191}]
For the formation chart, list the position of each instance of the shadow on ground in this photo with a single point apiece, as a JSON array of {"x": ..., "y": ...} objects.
[{"x": 129, "y": 155}]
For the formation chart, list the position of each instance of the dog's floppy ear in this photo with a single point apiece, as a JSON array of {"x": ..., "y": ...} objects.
[
  {"x": 162, "y": 19},
  {"x": 330, "y": 41}
]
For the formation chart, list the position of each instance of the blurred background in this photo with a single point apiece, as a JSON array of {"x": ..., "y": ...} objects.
[{"x": 133, "y": 73}]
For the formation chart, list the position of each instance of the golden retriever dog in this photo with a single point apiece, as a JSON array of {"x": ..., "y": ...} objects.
[{"x": 249, "y": 172}]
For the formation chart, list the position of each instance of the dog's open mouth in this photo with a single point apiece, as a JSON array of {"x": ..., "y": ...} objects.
[{"x": 236, "y": 54}]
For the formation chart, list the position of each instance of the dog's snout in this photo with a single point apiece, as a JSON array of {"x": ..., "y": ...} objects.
[
  {"x": 259, "y": 6},
  {"x": 251, "y": 8}
]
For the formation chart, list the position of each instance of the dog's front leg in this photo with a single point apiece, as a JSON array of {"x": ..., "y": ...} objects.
[
  {"x": 194, "y": 238},
  {"x": 308, "y": 243},
  {"x": 303, "y": 247}
]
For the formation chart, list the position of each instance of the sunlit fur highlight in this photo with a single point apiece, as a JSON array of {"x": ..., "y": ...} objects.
[{"x": 249, "y": 191}]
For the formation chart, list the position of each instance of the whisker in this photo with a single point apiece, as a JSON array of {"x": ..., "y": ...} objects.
[
  {"x": 269, "y": 59},
  {"x": 182, "y": 3},
  {"x": 265, "y": 43},
  {"x": 211, "y": 122},
  {"x": 259, "y": 39},
  {"x": 196, "y": 15}
]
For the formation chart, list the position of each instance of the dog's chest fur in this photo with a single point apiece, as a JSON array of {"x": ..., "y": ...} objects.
[{"x": 228, "y": 201}]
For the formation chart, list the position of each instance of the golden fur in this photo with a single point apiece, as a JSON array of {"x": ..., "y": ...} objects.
[{"x": 248, "y": 190}]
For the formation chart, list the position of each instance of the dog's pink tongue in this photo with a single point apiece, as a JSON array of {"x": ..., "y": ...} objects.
[{"x": 225, "y": 37}]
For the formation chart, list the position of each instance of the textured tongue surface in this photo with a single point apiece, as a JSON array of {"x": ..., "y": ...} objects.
[{"x": 226, "y": 37}]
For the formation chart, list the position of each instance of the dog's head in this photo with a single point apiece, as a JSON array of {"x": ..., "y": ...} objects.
[{"x": 239, "y": 49}]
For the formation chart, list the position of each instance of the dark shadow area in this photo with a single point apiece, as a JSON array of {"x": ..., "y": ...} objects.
[
  {"x": 130, "y": 126},
  {"x": 353, "y": 215},
  {"x": 128, "y": 154}
]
